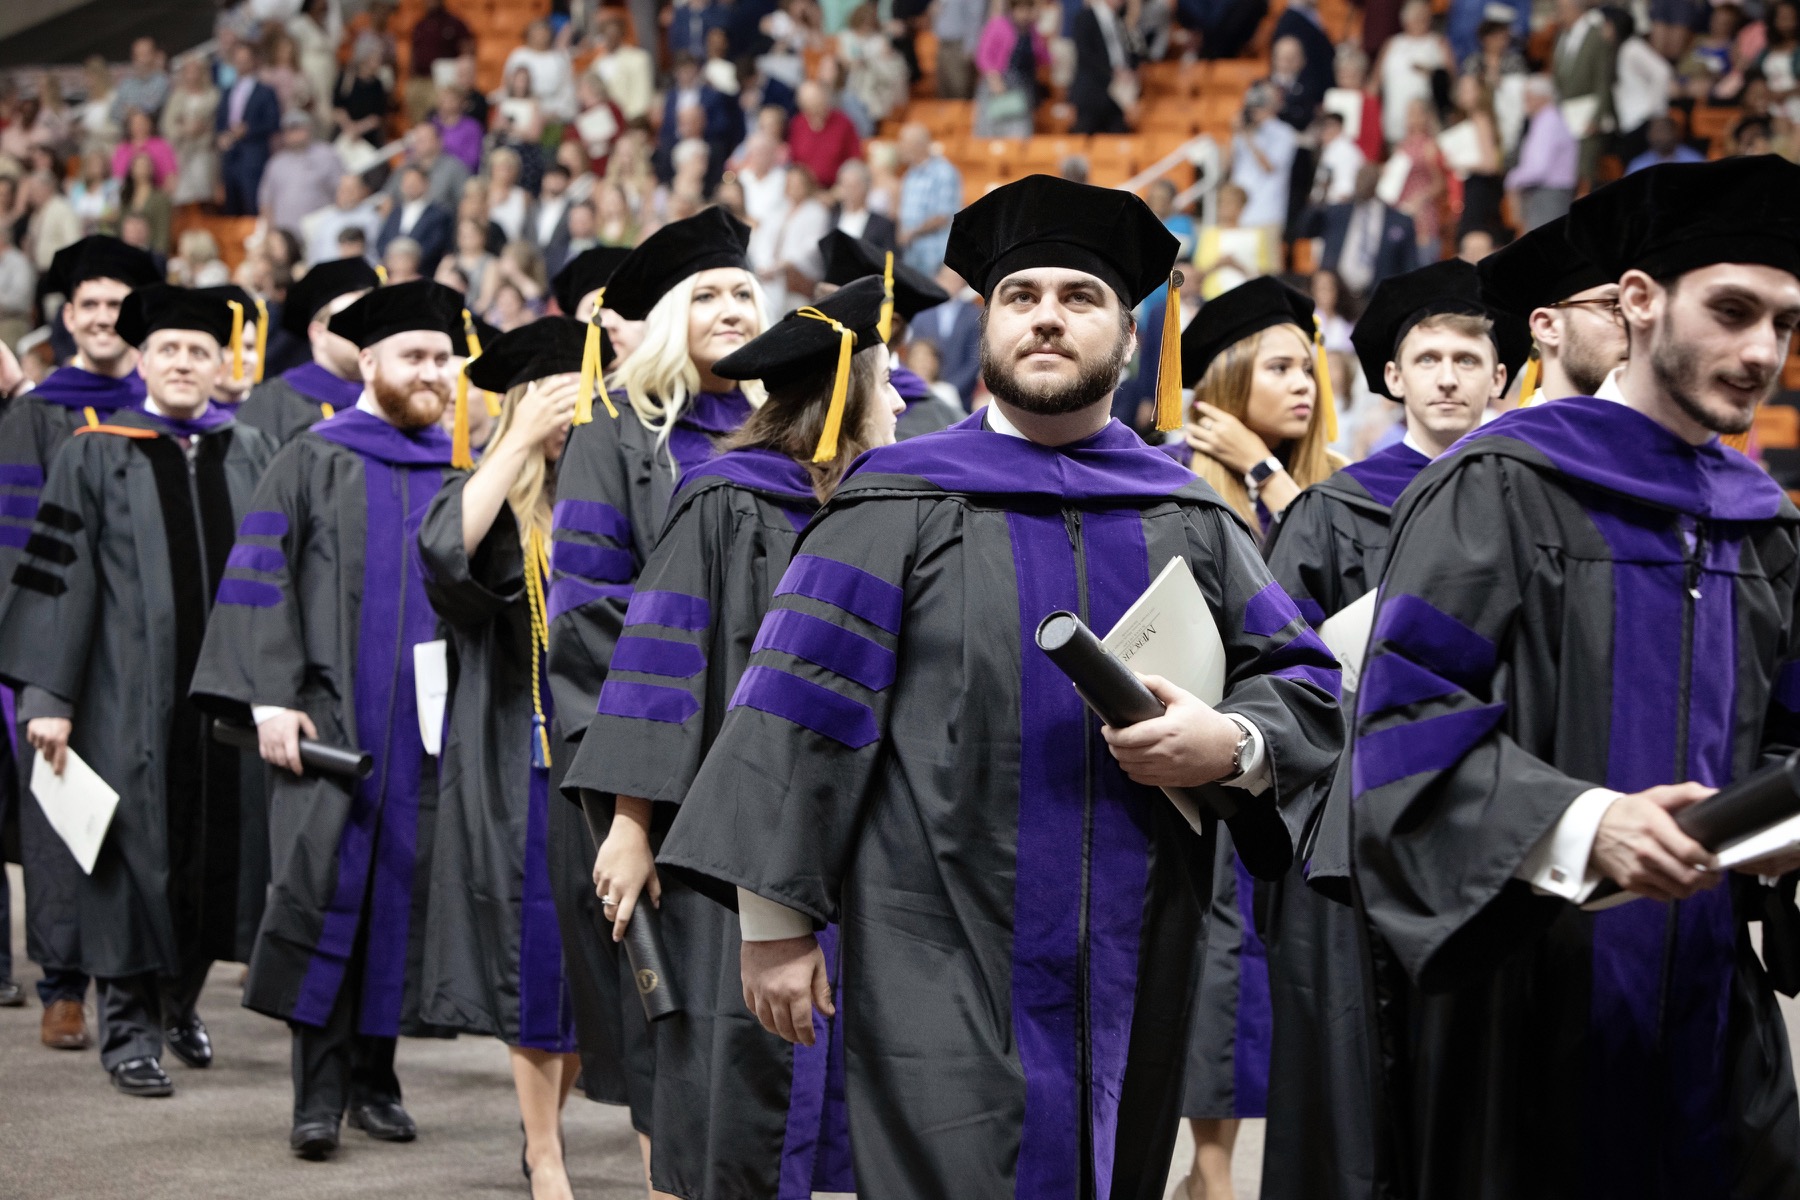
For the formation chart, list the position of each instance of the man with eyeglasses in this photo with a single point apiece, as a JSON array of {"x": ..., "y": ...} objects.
[{"x": 1571, "y": 305}]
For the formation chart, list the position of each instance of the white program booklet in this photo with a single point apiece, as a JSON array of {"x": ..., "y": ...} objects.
[
  {"x": 431, "y": 687},
  {"x": 1170, "y": 631},
  {"x": 1347, "y": 103},
  {"x": 1346, "y": 634},
  {"x": 78, "y": 804},
  {"x": 1393, "y": 178}
]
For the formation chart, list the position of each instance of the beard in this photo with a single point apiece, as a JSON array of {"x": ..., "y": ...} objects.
[
  {"x": 1094, "y": 380},
  {"x": 1676, "y": 367},
  {"x": 412, "y": 407}
]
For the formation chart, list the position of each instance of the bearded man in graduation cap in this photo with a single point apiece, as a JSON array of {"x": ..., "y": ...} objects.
[
  {"x": 1571, "y": 304},
  {"x": 315, "y": 636},
  {"x": 332, "y": 380},
  {"x": 100, "y": 631},
  {"x": 1587, "y": 623},
  {"x": 1019, "y": 917}
]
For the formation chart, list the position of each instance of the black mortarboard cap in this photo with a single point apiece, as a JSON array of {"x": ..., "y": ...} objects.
[
  {"x": 163, "y": 306},
  {"x": 798, "y": 346},
  {"x": 1399, "y": 303},
  {"x": 547, "y": 346},
  {"x": 98, "y": 257},
  {"x": 1536, "y": 270},
  {"x": 849, "y": 258},
  {"x": 323, "y": 284},
  {"x": 420, "y": 304},
  {"x": 585, "y": 272},
  {"x": 1229, "y": 318},
  {"x": 1674, "y": 218},
  {"x": 706, "y": 241},
  {"x": 1043, "y": 221}
]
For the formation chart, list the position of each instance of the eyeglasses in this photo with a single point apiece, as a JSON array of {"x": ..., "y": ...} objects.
[{"x": 1607, "y": 304}]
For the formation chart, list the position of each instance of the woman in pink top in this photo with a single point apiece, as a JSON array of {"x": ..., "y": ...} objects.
[
  {"x": 1009, "y": 64},
  {"x": 141, "y": 138}
]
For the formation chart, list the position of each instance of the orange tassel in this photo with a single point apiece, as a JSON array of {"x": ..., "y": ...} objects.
[
  {"x": 1168, "y": 367},
  {"x": 1529, "y": 392},
  {"x": 1322, "y": 373}
]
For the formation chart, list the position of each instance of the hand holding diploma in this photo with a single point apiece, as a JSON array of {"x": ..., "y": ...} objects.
[
  {"x": 784, "y": 981},
  {"x": 1189, "y": 745},
  {"x": 625, "y": 866},
  {"x": 278, "y": 738},
  {"x": 1639, "y": 846}
]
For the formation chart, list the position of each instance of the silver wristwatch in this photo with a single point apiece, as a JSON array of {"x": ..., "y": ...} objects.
[{"x": 1258, "y": 475}]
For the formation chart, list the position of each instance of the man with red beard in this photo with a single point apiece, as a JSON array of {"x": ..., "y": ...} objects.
[{"x": 314, "y": 636}]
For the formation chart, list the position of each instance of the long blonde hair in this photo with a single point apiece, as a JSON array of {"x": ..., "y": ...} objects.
[
  {"x": 534, "y": 491},
  {"x": 1226, "y": 385},
  {"x": 659, "y": 378}
]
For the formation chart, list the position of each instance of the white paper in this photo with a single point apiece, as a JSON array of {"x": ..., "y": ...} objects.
[
  {"x": 1346, "y": 634},
  {"x": 1170, "y": 631},
  {"x": 431, "y": 685},
  {"x": 1581, "y": 115},
  {"x": 1347, "y": 103},
  {"x": 518, "y": 110},
  {"x": 1393, "y": 178},
  {"x": 1461, "y": 147},
  {"x": 78, "y": 804},
  {"x": 597, "y": 126}
]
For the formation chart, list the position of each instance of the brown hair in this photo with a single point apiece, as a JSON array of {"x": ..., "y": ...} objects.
[
  {"x": 1226, "y": 385},
  {"x": 792, "y": 418}
]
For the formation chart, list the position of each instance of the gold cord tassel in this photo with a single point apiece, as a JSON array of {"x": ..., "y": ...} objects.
[
  {"x": 1168, "y": 367},
  {"x": 460, "y": 454},
  {"x": 591, "y": 368},
  {"x": 492, "y": 401},
  {"x": 537, "y": 570},
  {"x": 840, "y": 385},
  {"x": 885, "y": 326},
  {"x": 262, "y": 337},
  {"x": 1529, "y": 393},
  {"x": 237, "y": 340},
  {"x": 1322, "y": 373},
  {"x": 380, "y": 275},
  {"x": 328, "y": 408}
]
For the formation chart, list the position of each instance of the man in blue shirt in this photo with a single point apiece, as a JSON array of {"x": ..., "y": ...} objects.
[
  {"x": 1666, "y": 146},
  {"x": 930, "y": 194}
]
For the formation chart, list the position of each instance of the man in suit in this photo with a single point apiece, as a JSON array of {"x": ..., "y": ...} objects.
[
  {"x": 1365, "y": 240},
  {"x": 954, "y": 327},
  {"x": 852, "y": 214},
  {"x": 1300, "y": 21},
  {"x": 417, "y": 217},
  {"x": 248, "y": 118},
  {"x": 1102, "y": 54},
  {"x": 1582, "y": 68},
  {"x": 722, "y": 127}
]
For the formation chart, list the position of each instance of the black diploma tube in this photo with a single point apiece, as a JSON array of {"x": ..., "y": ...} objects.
[
  {"x": 643, "y": 933},
  {"x": 1117, "y": 696},
  {"x": 317, "y": 757}
]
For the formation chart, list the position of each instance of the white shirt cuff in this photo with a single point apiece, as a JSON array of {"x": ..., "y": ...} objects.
[
  {"x": 1558, "y": 865},
  {"x": 262, "y": 712},
  {"x": 763, "y": 920},
  {"x": 1253, "y": 767}
]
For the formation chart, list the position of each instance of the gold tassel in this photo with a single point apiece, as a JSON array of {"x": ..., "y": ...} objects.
[
  {"x": 1168, "y": 367},
  {"x": 460, "y": 454},
  {"x": 537, "y": 572},
  {"x": 380, "y": 275},
  {"x": 237, "y": 340},
  {"x": 1738, "y": 441},
  {"x": 1529, "y": 392},
  {"x": 885, "y": 326},
  {"x": 591, "y": 368},
  {"x": 840, "y": 385},
  {"x": 328, "y": 408},
  {"x": 262, "y": 337},
  {"x": 1322, "y": 372},
  {"x": 93, "y": 418}
]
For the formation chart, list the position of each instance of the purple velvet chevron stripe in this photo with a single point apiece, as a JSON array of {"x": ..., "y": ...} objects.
[
  {"x": 1309, "y": 608},
  {"x": 22, "y": 507},
  {"x": 571, "y": 592},
  {"x": 840, "y": 585},
  {"x": 1384, "y": 475},
  {"x": 248, "y": 593},
  {"x": 264, "y": 524},
  {"x": 603, "y": 564},
  {"x": 1118, "y": 571},
  {"x": 253, "y": 556},
  {"x": 657, "y": 656},
  {"x": 1393, "y": 680},
  {"x": 677, "y": 610},
  {"x": 1307, "y": 658},
  {"x": 815, "y": 1146},
  {"x": 1269, "y": 611},
  {"x": 646, "y": 702},
  {"x": 823, "y": 644},
  {"x": 15, "y": 535},
  {"x": 1434, "y": 744},
  {"x": 21, "y": 475},
  {"x": 1430, "y": 635},
  {"x": 546, "y": 1017},
  {"x": 1050, "y": 854},
  {"x": 806, "y": 704},
  {"x": 1254, "y": 1029},
  {"x": 591, "y": 516}
]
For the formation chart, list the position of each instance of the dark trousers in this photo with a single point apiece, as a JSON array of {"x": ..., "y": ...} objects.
[
  {"x": 135, "y": 1010},
  {"x": 334, "y": 1065}
]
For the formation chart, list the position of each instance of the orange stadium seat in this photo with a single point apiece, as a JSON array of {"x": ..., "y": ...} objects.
[
  {"x": 1777, "y": 427},
  {"x": 1234, "y": 75}
]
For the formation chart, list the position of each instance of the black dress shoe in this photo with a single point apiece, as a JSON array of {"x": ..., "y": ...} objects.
[
  {"x": 315, "y": 1141},
  {"x": 142, "y": 1077},
  {"x": 383, "y": 1120},
  {"x": 190, "y": 1042},
  {"x": 11, "y": 994}
]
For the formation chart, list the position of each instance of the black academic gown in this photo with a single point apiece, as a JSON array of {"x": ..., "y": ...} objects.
[
  {"x": 613, "y": 491},
  {"x": 736, "y": 1110},
  {"x": 320, "y": 613},
  {"x": 1575, "y": 598},
  {"x": 926, "y": 411},
  {"x": 1019, "y": 922},
  {"x": 106, "y": 612},
  {"x": 296, "y": 400},
  {"x": 493, "y": 956},
  {"x": 1327, "y": 550}
]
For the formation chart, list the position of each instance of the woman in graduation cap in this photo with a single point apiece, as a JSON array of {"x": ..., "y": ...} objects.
[
  {"x": 690, "y": 284},
  {"x": 737, "y": 1111},
  {"x": 1262, "y": 419},
  {"x": 493, "y": 954}
]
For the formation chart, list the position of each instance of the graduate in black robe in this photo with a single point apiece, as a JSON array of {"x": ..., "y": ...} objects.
[
  {"x": 909, "y": 293},
  {"x": 1588, "y": 598},
  {"x": 1570, "y": 305},
  {"x": 1019, "y": 921},
  {"x": 101, "y": 629},
  {"x": 1430, "y": 342},
  {"x": 315, "y": 635},
  {"x": 330, "y": 381},
  {"x": 93, "y": 277},
  {"x": 737, "y": 1111},
  {"x": 614, "y": 485}
]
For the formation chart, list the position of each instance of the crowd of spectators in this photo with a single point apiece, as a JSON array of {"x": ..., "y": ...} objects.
[{"x": 1421, "y": 135}]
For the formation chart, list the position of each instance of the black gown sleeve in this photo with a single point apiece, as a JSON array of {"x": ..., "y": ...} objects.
[
  {"x": 1303, "y": 556},
  {"x": 48, "y": 614},
  {"x": 22, "y": 471},
  {"x": 469, "y": 590},
  {"x": 1775, "y": 905}
]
